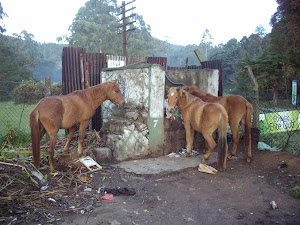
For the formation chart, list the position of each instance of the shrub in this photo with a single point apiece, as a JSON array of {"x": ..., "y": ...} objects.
[
  {"x": 56, "y": 89},
  {"x": 28, "y": 93}
]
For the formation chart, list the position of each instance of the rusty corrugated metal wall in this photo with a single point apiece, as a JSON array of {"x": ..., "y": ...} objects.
[{"x": 81, "y": 70}]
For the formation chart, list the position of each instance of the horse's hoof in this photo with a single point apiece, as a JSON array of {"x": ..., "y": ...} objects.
[
  {"x": 230, "y": 156},
  {"x": 248, "y": 160},
  {"x": 186, "y": 154},
  {"x": 204, "y": 160}
]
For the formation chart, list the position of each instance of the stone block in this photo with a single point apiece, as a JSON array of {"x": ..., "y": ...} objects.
[{"x": 102, "y": 154}]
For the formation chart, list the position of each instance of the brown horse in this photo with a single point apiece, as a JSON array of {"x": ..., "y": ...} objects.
[
  {"x": 65, "y": 112},
  {"x": 239, "y": 111},
  {"x": 202, "y": 117}
]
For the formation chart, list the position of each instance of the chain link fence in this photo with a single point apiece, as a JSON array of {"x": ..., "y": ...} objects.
[
  {"x": 279, "y": 123},
  {"x": 15, "y": 107}
]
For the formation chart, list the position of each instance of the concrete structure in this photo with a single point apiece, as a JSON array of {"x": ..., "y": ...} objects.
[
  {"x": 136, "y": 131},
  {"x": 140, "y": 129},
  {"x": 206, "y": 79}
]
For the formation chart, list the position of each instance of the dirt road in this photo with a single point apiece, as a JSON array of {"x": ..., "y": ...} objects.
[{"x": 240, "y": 195}]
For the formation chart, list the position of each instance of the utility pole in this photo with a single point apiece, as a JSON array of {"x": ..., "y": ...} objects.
[{"x": 125, "y": 24}]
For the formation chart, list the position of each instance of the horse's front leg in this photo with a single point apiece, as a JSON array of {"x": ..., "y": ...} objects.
[
  {"x": 82, "y": 128},
  {"x": 189, "y": 131},
  {"x": 70, "y": 136}
]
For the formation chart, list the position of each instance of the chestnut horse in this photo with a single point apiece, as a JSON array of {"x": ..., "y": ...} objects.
[
  {"x": 202, "y": 117},
  {"x": 65, "y": 112},
  {"x": 239, "y": 111}
]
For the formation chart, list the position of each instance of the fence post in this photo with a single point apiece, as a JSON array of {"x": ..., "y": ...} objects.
[
  {"x": 47, "y": 86},
  {"x": 255, "y": 97}
]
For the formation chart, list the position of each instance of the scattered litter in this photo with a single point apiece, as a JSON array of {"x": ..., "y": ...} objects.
[
  {"x": 39, "y": 176},
  {"x": 193, "y": 153},
  {"x": 119, "y": 191},
  {"x": 283, "y": 165},
  {"x": 82, "y": 211},
  {"x": 72, "y": 207},
  {"x": 206, "y": 169},
  {"x": 52, "y": 199},
  {"x": 90, "y": 163},
  {"x": 264, "y": 146},
  {"x": 108, "y": 197},
  {"x": 261, "y": 176},
  {"x": 158, "y": 180},
  {"x": 84, "y": 178},
  {"x": 273, "y": 205},
  {"x": 115, "y": 222},
  {"x": 173, "y": 154},
  {"x": 89, "y": 208},
  {"x": 87, "y": 189},
  {"x": 44, "y": 188}
]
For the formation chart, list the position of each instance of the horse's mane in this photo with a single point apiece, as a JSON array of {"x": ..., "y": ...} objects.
[
  {"x": 189, "y": 97},
  {"x": 197, "y": 92}
]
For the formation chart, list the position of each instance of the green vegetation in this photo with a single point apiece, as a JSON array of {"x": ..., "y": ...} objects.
[
  {"x": 274, "y": 57},
  {"x": 14, "y": 124}
]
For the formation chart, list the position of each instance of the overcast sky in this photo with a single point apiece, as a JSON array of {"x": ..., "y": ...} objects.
[{"x": 179, "y": 22}]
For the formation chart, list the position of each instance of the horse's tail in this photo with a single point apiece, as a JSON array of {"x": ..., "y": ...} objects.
[
  {"x": 35, "y": 137},
  {"x": 222, "y": 141},
  {"x": 248, "y": 118}
]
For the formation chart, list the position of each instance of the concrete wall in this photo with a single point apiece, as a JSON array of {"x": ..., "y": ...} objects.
[
  {"x": 206, "y": 79},
  {"x": 137, "y": 130}
]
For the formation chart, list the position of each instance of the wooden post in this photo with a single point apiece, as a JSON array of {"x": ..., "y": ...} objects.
[
  {"x": 255, "y": 97},
  {"x": 47, "y": 86},
  {"x": 199, "y": 56}
]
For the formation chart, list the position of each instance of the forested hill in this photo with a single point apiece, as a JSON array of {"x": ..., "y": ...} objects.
[{"x": 272, "y": 56}]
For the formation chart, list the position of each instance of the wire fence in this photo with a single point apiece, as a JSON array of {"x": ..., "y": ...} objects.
[
  {"x": 15, "y": 110},
  {"x": 279, "y": 125}
]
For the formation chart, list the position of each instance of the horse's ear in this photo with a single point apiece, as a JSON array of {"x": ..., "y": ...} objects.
[
  {"x": 179, "y": 90},
  {"x": 167, "y": 88},
  {"x": 115, "y": 83}
]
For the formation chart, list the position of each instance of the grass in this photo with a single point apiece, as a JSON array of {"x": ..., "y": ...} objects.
[
  {"x": 14, "y": 122},
  {"x": 279, "y": 140}
]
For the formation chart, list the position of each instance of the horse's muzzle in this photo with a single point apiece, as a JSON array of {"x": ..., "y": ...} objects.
[
  {"x": 121, "y": 105},
  {"x": 171, "y": 110}
]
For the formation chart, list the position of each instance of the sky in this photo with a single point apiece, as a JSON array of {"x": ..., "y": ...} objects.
[{"x": 178, "y": 22}]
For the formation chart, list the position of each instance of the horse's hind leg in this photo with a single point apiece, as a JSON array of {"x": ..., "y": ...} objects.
[
  {"x": 211, "y": 146},
  {"x": 236, "y": 137},
  {"x": 82, "y": 128},
  {"x": 53, "y": 137},
  {"x": 70, "y": 136}
]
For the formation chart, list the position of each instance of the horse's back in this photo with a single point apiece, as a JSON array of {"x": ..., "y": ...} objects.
[
  {"x": 50, "y": 111},
  {"x": 205, "y": 116},
  {"x": 236, "y": 105}
]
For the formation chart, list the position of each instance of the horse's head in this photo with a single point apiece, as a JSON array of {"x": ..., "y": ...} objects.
[
  {"x": 172, "y": 97},
  {"x": 114, "y": 94}
]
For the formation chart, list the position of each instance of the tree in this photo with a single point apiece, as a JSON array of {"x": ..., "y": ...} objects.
[
  {"x": 2, "y": 15},
  {"x": 285, "y": 37},
  {"x": 95, "y": 27},
  {"x": 18, "y": 57}
]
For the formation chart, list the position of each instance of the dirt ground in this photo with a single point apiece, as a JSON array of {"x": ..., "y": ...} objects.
[{"x": 240, "y": 195}]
